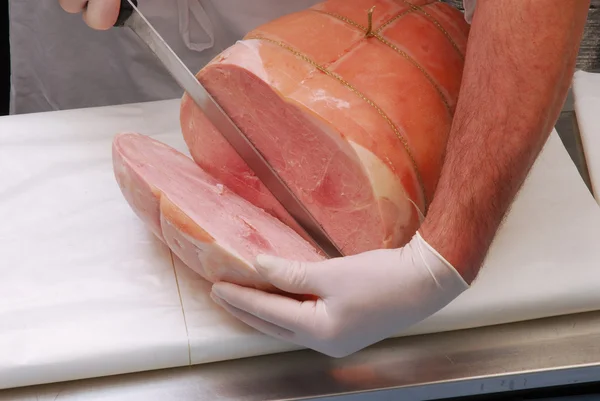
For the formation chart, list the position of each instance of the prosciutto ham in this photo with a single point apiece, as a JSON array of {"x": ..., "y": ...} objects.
[{"x": 350, "y": 101}]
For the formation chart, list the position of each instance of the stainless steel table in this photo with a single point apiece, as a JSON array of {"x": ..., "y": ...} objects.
[
  {"x": 528, "y": 355},
  {"x": 534, "y": 354}
]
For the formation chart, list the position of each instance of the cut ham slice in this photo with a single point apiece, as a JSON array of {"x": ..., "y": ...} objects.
[
  {"x": 212, "y": 230},
  {"x": 353, "y": 112}
]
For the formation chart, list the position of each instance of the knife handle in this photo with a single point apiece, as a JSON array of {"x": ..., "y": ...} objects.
[{"x": 125, "y": 12}]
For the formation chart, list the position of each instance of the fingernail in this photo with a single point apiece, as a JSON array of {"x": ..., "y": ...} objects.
[
  {"x": 216, "y": 298},
  {"x": 263, "y": 262},
  {"x": 258, "y": 264},
  {"x": 260, "y": 259},
  {"x": 216, "y": 289}
]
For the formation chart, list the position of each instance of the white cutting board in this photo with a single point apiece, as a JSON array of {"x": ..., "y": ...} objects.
[
  {"x": 86, "y": 290},
  {"x": 586, "y": 97}
]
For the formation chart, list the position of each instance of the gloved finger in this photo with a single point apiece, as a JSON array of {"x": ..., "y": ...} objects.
[
  {"x": 73, "y": 6},
  {"x": 285, "y": 312},
  {"x": 288, "y": 275},
  {"x": 102, "y": 14},
  {"x": 253, "y": 321}
]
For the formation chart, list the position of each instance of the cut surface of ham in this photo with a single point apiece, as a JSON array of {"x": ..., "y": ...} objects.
[
  {"x": 352, "y": 110},
  {"x": 212, "y": 230}
]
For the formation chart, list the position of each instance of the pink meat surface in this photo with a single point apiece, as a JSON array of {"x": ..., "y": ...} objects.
[{"x": 212, "y": 230}]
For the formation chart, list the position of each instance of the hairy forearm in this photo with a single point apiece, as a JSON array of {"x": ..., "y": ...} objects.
[{"x": 518, "y": 67}]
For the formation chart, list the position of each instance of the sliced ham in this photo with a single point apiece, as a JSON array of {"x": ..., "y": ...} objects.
[
  {"x": 212, "y": 230},
  {"x": 353, "y": 115}
]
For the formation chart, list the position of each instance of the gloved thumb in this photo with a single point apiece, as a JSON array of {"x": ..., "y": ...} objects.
[{"x": 287, "y": 275}]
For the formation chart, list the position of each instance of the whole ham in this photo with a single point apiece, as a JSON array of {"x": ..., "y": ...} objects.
[{"x": 350, "y": 101}]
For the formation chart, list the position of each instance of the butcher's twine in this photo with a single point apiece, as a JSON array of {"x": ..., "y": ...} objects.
[
  {"x": 369, "y": 32},
  {"x": 362, "y": 96},
  {"x": 377, "y": 34}
]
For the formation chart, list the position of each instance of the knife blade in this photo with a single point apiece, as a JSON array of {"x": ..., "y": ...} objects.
[{"x": 131, "y": 17}]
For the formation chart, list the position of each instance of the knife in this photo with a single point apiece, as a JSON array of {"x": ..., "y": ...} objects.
[{"x": 131, "y": 17}]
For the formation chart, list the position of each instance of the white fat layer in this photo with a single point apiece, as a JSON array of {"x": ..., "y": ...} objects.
[
  {"x": 119, "y": 167},
  {"x": 249, "y": 58},
  {"x": 384, "y": 182},
  {"x": 320, "y": 95},
  {"x": 207, "y": 252}
]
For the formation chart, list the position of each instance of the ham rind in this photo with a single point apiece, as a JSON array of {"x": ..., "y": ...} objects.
[
  {"x": 355, "y": 124},
  {"x": 212, "y": 230}
]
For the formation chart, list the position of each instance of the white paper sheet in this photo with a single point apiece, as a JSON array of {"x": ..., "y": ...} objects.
[
  {"x": 85, "y": 289},
  {"x": 586, "y": 96}
]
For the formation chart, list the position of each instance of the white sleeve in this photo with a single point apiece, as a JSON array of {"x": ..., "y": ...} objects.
[{"x": 469, "y": 6}]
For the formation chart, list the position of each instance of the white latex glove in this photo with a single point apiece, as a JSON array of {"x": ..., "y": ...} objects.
[
  {"x": 97, "y": 14},
  {"x": 362, "y": 299}
]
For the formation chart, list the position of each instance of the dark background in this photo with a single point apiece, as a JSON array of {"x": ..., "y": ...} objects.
[{"x": 4, "y": 60}]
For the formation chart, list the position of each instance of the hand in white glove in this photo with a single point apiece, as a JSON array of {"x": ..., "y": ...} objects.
[
  {"x": 97, "y": 14},
  {"x": 362, "y": 299}
]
